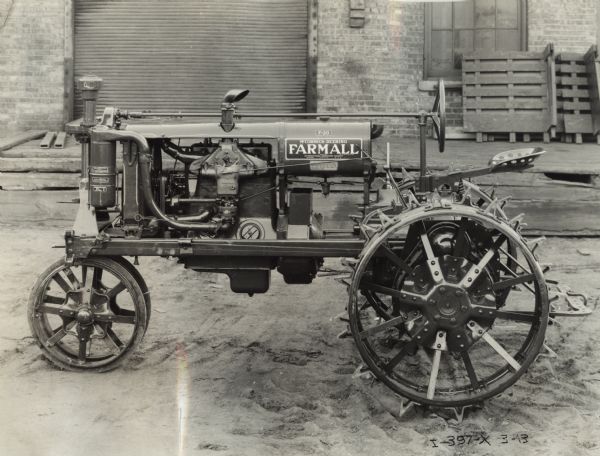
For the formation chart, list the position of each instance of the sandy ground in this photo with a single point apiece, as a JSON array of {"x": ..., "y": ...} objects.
[{"x": 220, "y": 373}]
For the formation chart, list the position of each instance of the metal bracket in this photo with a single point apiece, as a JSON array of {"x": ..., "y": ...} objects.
[
  {"x": 85, "y": 221},
  {"x": 576, "y": 303},
  {"x": 357, "y": 13}
]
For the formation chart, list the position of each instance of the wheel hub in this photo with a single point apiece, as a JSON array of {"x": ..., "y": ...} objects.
[
  {"x": 449, "y": 302},
  {"x": 450, "y": 305},
  {"x": 85, "y": 316}
]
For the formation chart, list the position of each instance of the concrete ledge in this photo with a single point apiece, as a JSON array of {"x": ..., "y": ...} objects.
[{"x": 430, "y": 85}]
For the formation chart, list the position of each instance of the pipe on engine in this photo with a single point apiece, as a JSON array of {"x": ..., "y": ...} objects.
[
  {"x": 184, "y": 158},
  {"x": 144, "y": 162}
]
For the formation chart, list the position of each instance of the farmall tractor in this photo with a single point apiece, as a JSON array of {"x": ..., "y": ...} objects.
[{"x": 447, "y": 303}]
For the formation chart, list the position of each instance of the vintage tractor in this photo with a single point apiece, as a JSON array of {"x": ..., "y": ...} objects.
[{"x": 448, "y": 305}]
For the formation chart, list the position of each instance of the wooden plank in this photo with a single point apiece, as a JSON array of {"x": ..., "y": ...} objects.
[
  {"x": 504, "y": 104},
  {"x": 572, "y": 81},
  {"x": 569, "y": 56},
  {"x": 549, "y": 193},
  {"x": 578, "y": 123},
  {"x": 593, "y": 71},
  {"x": 503, "y": 65},
  {"x": 20, "y": 138},
  {"x": 37, "y": 207},
  {"x": 514, "y": 55},
  {"x": 503, "y": 78},
  {"x": 38, "y": 181},
  {"x": 504, "y": 91},
  {"x": 559, "y": 157},
  {"x": 44, "y": 165},
  {"x": 525, "y": 179},
  {"x": 569, "y": 218},
  {"x": 35, "y": 153},
  {"x": 570, "y": 68},
  {"x": 551, "y": 89},
  {"x": 499, "y": 122},
  {"x": 59, "y": 143},
  {"x": 573, "y": 93},
  {"x": 576, "y": 106},
  {"x": 458, "y": 133},
  {"x": 46, "y": 141}
]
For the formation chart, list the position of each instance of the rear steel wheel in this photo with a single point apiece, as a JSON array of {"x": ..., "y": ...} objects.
[
  {"x": 90, "y": 315},
  {"x": 458, "y": 331}
]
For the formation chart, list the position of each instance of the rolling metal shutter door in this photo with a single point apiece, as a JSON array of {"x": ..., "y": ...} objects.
[{"x": 184, "y": 55}]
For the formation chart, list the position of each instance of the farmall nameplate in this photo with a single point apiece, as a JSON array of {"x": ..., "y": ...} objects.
[{"x": 323, "y": 149}]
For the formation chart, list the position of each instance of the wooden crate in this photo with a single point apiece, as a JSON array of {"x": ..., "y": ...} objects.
[
  {"x": 576, "y": 75},
  {"x": 509, "y": 92}
]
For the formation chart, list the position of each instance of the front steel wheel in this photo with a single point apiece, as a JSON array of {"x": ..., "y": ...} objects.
[
  {"x": 89, "y": 315},
  {"x": 465, "y": 326}
]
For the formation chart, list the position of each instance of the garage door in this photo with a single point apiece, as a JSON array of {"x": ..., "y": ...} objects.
[{"x": 184, "y": 54}]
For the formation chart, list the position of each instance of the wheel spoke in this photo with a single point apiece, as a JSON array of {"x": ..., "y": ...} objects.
[
  {"x": 514, "y": 274},
  {"x": 523, "y": 317},
  {"x": 122, "y": 318},
  {"x": 378, "y": 302},
  {"x": 56, "y": 310},
  {"x": 460, "y": 240},
  {"x": 478, "y": 268},
  {"x": 388, "y": 324},
  {"x": 405, "y": 350},
  {"x": 114, "y": 291},
  {"x": 58, "y": 334},
  {"x": 84, "y": 274},
  {"x": 114, "y": 338},
  {"x": 53, "y": 299},
  {"x": 71, "y": 276},
  {"x": 97, "y": 278},
  {"x": 470, "y": 369},
  {"x": 501, "y": 351},
  {"x": 83, "y": 334},
  {"x": 432, "y": 262},
  {"x": 510, "y": 257},
  {"x": 404, "y": 297},
  {"x": 394, "y": 258},
  {"x": 62, "y": 283},
  {"x": 506, "y": 283},
  {"x": 83, "y": 343},
  {"x": 435, "y": 367}
]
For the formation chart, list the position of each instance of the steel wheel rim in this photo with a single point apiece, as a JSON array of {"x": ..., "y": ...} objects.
[
  {"x": 496, "y": 381},
  {"x": 98, "y": 322}
]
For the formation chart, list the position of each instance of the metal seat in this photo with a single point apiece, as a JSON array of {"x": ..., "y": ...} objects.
[{"x": 515, "y": 158}]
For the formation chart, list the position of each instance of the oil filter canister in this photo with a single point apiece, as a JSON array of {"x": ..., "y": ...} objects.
[{"x": 103, "y": 174}]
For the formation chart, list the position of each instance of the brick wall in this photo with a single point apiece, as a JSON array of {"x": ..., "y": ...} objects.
[
  {"x": 376, "y": 67},
  {"x": 32, "y": 64},
  {"x": 570, "y": 24}
]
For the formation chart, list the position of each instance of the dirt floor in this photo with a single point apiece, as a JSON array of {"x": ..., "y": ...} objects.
[{"x": 220, "y": 373}]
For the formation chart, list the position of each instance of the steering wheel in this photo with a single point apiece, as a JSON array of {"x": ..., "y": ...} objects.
[{"x": 439, "y": 117}]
